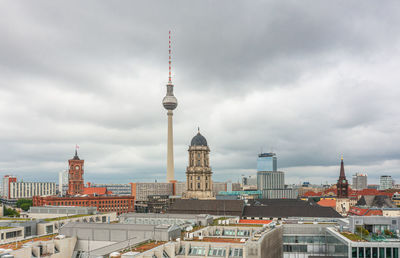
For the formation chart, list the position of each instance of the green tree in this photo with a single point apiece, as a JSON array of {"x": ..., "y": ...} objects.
[
  {"x": 22, "y": 201},
  {"x": 10, "y": 212},
  {"x": 25, "y": 206}
]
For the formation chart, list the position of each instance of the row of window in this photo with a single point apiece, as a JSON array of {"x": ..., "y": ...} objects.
[
  {"x": 112, "y": 202},
  {"x": 11, "y": 234},
  {"x": 374, "y": 252},
  {"x": 199, "y": 186},
  {"x": 213, "y": 251}
]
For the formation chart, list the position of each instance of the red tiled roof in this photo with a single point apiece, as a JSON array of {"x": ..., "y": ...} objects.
[
  {"x": 311, "y": 193},
  {"x": 357, "y": 211},
  {"x": 95, "y": 190},
  {"x": 327, "y": 203},
  {"x": 330, "y": 191},
  {"x": 364, "y": 212},
  {"x": 374, "y": 213},
  {"x": 369, "y": 192},
  {"x": 255, "y": 221}
]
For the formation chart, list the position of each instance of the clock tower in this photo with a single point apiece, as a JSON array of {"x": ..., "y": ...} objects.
[
  {"x": 75, "y": 175},
  {"x": 342, "y": 184}
]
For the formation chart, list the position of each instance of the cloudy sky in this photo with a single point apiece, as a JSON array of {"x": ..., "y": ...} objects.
[{"x": 309, "y": 80}]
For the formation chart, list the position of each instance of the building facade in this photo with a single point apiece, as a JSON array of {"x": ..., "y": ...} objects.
[
  {"x": 342, "y": 184},
  {"x": 198, "y": 174},
  {"x": 75, "y": 175},
  {"x": 14, "y": 190},
  {"x": 270, "y": 180},
  {"x": 117, "y": 189},
  {"x": 7, "y": 180},
  {"x": 78, "y": 195},
  {"x": 359, "y": 181},
  {"x": 272, "y": 185},
  {"x": 142, "y": 190},
  {"x": 119, "y": 204},
  {"x": 20, "y": 190},
  {"x": 267, "y": 162},
  {"x": 62, "y": 182},
  {"x": 386, "y": 182}
]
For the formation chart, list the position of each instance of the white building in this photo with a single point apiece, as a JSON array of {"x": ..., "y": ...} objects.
[
  {"x": 62, "y": 181},
  {"x": 7, "y": 179},
  {"x": 386, "y": 182},
  {"x": 359, "y": 181},
  {"x": 29, "y": 189}
]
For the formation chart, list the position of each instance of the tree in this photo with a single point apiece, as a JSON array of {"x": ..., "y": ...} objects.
[
  {"x": 22, "y": 201},
  {"x": 25, "y": 206},
  {"x": 10, "y": 212}
]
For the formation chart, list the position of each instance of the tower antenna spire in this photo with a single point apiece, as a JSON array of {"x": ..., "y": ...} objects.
[{"x": 169, "y": 57}]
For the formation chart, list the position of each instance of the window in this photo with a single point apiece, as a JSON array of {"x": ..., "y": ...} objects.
[
  {"x": 217, "y": 251},
  {"x": 295, "y": 248},
  {"x": 28, "y": 231},
  {"x": 198, "y": 178},
  {"x": 198, "y": 185},
  {"x": 236, "y": 252},
  {"x": 49, "y": 229},
  {"x": 11, "y": 234},
  {"x": 182, "y": 250},
  {"x": 198, "y": 251},
  {"x": 229, "y": 232}
]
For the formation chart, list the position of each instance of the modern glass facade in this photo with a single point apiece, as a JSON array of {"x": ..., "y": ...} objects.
[{"x": 267, "y": 162}]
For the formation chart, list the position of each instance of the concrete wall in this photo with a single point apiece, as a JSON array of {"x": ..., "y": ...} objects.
[
  {"x": 64, "y": 246},
  {"x": 18, "y": 231}
]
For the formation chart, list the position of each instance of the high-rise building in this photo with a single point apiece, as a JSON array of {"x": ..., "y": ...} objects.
[
  {"x": 267, "y": 162},
  {"x": 342, "y": 184},
  {"x": 170, "y": 103},
  {"x": 75, "y": 175},
  {"x": 386, "y": 182},
  {"x": 198, "y": 173},
  {"x": 359, "y": 181},
  {"x": 7, "y": 180},
  {"x": 270, "y": 180},
  {"x": 20, "y": 190},
  {"x": 14, "y": 190},
  {"x": 62, "y": 182}
]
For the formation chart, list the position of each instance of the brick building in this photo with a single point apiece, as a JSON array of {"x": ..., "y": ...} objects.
[
  {"x": 119, "y": 204},
  {"x": 79, "y": 195}
]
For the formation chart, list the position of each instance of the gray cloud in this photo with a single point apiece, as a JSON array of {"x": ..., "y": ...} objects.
[{"x": 309, "y": 80}]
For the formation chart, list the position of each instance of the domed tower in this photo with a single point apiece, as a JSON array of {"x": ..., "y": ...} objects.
[
  {"x": 170, "y": 103},
  {"x": 198, "y": 173}
]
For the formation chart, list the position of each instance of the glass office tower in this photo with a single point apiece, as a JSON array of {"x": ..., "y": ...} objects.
[{"x": 267, "y": 162}]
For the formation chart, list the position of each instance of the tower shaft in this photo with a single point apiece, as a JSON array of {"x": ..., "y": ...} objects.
[{"x": 170, "y": 148}]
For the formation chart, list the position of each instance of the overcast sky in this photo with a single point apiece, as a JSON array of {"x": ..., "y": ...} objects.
[{"x": 309, "y": 80}]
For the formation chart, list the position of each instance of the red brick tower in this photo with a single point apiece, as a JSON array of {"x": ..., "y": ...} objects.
[
  {"x": 342, "y": 184},
  {"x": 75, "y": 175}
]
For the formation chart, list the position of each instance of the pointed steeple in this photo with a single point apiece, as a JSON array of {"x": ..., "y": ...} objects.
[
  {"x": 76, "y": 155},
  {"x": 342, "y": 175}
]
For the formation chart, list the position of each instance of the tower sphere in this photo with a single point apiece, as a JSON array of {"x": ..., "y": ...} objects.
[{"x": 170, "y": 102}]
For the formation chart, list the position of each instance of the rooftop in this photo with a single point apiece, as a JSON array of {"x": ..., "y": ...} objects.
[{"x": 19, "y": 244}]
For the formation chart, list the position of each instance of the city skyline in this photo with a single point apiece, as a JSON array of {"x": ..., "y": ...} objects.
[{"x": 259, "y": 84}]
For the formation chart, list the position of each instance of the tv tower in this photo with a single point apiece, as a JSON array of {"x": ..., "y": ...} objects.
[{"x": 170, "y": 103}]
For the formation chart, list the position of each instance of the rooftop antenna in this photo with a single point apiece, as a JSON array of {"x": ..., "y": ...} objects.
[{"x": 169, "y": 57}]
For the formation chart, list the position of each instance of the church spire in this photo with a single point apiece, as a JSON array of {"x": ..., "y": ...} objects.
[
  {"x": 342, "y": 175},
  {"x": 76, "y": 157}
]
